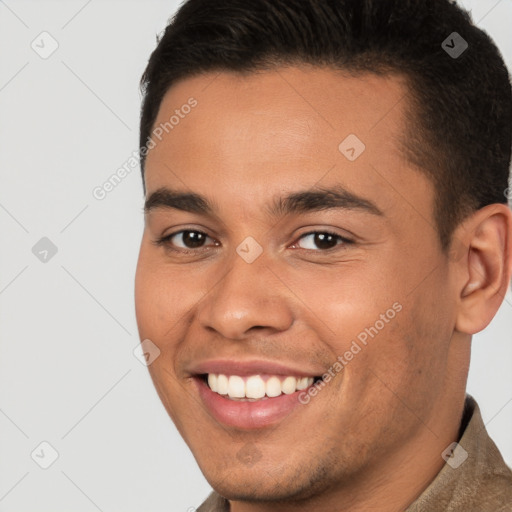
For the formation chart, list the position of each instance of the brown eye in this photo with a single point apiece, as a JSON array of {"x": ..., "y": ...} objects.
[
  {"x": 321, "y": 240},
  {"x": 185, "y": 239},
  {"x": 193, "y": 239}
]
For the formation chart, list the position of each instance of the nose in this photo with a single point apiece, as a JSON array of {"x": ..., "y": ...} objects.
[{"x": 248, "y": 298}]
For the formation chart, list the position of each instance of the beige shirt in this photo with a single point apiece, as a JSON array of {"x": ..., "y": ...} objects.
[{"x": 482, "y": 482}]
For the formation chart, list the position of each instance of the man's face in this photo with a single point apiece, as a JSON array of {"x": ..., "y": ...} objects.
[{"x": 266, "y": 276}]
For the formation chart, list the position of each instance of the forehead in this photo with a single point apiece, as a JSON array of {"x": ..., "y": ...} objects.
[{"x": 268, "y": 132}]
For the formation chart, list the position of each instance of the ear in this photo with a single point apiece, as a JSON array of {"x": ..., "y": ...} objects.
[{"x": 485, "y": 270}]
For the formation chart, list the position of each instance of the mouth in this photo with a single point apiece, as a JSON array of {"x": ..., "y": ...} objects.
[
  {"x": 251, "y": 388},
  {"x": 248, "y": 402}
]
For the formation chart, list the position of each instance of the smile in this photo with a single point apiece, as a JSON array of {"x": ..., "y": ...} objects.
[
  {"x": 255, "y": 387},
  {"x": 252, "y": 401}
]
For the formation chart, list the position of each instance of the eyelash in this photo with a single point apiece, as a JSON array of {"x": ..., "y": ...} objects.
[{"x": 165, "y": 241}]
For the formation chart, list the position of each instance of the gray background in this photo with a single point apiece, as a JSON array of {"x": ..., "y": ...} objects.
[{"x": 68, "y": 375}]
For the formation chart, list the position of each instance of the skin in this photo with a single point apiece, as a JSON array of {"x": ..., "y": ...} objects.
[{"x": 372, "y": 438}]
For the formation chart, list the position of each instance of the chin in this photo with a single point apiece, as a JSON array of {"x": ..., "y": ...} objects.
[{"x": 261, "y": 484}]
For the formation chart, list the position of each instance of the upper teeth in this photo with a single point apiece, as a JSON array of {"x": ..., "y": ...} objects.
[{"x": 255, "y": 386}]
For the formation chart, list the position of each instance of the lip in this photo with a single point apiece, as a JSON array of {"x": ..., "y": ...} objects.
[
  {"x": 250, "y": 367},
  {"x": 247, "y": 415}
]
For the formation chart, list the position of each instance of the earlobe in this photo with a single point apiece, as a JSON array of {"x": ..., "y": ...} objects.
[{"x": 486, "y": 272}]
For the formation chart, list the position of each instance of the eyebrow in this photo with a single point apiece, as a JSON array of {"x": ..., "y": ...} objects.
[{"x": 305, "y": 201}]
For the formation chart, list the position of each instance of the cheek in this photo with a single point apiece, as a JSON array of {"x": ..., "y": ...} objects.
[
  {"x": 410, "y": 358},
  {"x": 163, "y": 294},
  {"x": 145, "y": 293}
]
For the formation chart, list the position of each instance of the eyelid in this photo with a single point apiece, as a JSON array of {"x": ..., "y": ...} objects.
[
  {"x": 165, "y": 241},
  {"x": 344, "y": 240}
]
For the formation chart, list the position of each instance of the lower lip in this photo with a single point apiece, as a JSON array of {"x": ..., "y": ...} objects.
[{"x": 247, "y": 415}]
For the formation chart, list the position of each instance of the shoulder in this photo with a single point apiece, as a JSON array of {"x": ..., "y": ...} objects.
[{"x": 476, "y": 478}]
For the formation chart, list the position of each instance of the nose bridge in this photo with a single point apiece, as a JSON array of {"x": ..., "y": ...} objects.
[{"x": 249, "y": 295}]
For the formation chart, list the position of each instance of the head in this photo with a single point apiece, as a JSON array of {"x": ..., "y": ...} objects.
[{"x": 324, "y": 196}]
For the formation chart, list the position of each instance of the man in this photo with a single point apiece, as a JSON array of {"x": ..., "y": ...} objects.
[{"x": 326, "y": 228}]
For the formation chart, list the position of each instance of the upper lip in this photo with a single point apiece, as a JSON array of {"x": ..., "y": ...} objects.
[{"x": 251, "y": 367}]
